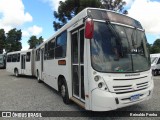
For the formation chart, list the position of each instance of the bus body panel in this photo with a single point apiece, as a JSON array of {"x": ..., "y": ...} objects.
[
  {"x": 101, "y": 100},
  {"x": 105, "y": 101},
  {"x": 3, "y": 61},
  {"x": 155, "y": 64},
  {"x": 28, "y": 65},
  {"x": 11, "y": 66}
]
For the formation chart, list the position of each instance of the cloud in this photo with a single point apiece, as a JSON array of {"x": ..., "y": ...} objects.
[
  {"x": 129, "y": 3},
  {"x": 53, "y": 3},
  {"x": 26, "y": 47},
  {"x": 12, "y": 14},
  {"x": 26, "y": 33},
  {"x": 34, "y": 30},
  {"x": 147, "y": 12}
]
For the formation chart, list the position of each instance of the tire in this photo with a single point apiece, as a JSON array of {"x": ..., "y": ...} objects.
[
  {"x": 155, "y": 72},
  {"x": 38, "y": 78},
  {"x": 64, "y": 92},
  {"x": 16, "y": 73}
]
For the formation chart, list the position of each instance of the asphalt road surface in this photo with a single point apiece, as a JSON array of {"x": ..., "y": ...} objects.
[{"x": 25, "y": 94}]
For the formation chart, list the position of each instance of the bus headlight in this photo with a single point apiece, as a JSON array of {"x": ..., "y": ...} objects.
[
  {"x": 96, "y": 78},
  {"x": 101, "y": 84}
]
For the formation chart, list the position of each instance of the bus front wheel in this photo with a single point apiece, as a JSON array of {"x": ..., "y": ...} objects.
[
  {"x": 64, "y": 92},
  {"x": 155, "y": 72}
]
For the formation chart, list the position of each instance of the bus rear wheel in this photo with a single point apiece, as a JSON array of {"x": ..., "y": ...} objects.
[
  {"x": 16, "y": 72},
  {"x": 64, "y": 92}
]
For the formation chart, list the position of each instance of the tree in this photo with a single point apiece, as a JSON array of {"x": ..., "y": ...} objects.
[
  {"x": 33, "y": 41},
  {"x": 149, "y": 46},
  {"x": 155, "y": 48},
  {"x": 2, "y": 40},
  {"x": 156, "y": 42},
  {"x": 70, "y": 8},
  {"x": 13, "y": 40},
  {"x": 115, "y": 5}
]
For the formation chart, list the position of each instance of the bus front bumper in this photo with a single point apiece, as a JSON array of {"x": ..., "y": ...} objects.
[{"x": 105, "y": 101}]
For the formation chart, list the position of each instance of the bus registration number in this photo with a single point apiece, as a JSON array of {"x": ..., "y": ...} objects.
[{"x": 135, "y": 97}]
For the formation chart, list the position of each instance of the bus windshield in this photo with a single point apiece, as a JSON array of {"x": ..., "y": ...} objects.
[
  {"x": 153, "y": 59},
  {"x": 116, "y": 48}
]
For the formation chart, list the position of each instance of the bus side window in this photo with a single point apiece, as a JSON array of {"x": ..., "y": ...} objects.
[
  {"x": 158, "y": 61},
  {"x": 14, "y": 58},
  {"x": 60, "y": 50},
  {"x": 9, "y": 58},
  {"x": 28, "y": 56},
  {"x": 38, "y": 55},
  {"x": 51, "y": 45},
  {"x": 75, "y": 48},
  {"x": 18, "y": 57},
  {"x": 46, "y": 52}
]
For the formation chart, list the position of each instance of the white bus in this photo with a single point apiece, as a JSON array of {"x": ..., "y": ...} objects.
[
  {"x": 155, "y": 63},
  {"x": 99, "y": 60},
  {"x": 3, "y": 61},
  {"x": 21, "y": 62}
]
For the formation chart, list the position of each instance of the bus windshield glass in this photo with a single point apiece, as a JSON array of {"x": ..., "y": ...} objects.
[
  {"x": 116, "y": 48},
  {"x": 113, "y": 17},
  {"x": 153, "y": 59}
]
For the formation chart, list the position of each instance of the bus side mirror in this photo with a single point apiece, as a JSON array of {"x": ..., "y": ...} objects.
[{"x": 89, "y": 28}]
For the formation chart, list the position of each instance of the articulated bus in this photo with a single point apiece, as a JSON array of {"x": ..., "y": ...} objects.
[
  {"x": 21, "y": 62},
  {"x": 99, "y": 60},
  {"x": 2, "y": 61}
]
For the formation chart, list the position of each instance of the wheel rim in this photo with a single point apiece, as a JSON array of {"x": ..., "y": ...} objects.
[
  {"x": 155, "y": 72},
  {"x": 63, "y": 90},
  {"x": 37, "y": 76},
  {"x": 16, "y": 72}
]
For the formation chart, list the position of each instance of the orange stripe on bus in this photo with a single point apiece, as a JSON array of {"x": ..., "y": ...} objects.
[{"x": 61, "y": 62}]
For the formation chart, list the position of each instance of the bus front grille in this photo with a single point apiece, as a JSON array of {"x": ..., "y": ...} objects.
[{"x": 130, "y": 88}]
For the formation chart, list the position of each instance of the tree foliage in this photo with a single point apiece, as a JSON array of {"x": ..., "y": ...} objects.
[
  {"x": 34, "y": 41},
  {"x": 13, "y": 40},
  {"x": 70, "y": 8},
  {"x": 2, "y": 40},
  {"x": 155, "y": 48},
  {"x": 115, "y": 5}
]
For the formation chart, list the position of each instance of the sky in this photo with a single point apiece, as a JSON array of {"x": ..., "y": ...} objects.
[{"x": 35, "y": 17}]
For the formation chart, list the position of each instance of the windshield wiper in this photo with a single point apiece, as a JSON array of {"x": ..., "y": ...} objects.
[
  {"x": 134, "y": 36},
  {"x": 112, "y": 29},
  {"x": 117, "y": 40}
]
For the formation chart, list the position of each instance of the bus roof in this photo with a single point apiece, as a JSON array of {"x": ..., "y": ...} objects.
[
  {"x": 78, "y": 17},
  {"x": 19, "y": 51},
  {"x": 75, "y": 19},
  {"x": 155, "y": 55}
]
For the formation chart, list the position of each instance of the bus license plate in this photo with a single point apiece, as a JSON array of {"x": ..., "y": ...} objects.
[{"x": 135, "y": 97}]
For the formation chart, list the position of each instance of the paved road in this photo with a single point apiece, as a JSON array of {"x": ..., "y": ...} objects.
[{"x": 25, "y": 94}]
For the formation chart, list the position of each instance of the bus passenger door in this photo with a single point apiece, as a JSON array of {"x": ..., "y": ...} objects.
[
  {"x": 23, "y": 63},
  {"x": 77, "y": 51}
]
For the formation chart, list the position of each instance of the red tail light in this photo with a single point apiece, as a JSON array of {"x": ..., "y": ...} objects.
[{"x": 89, "y": 28}]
